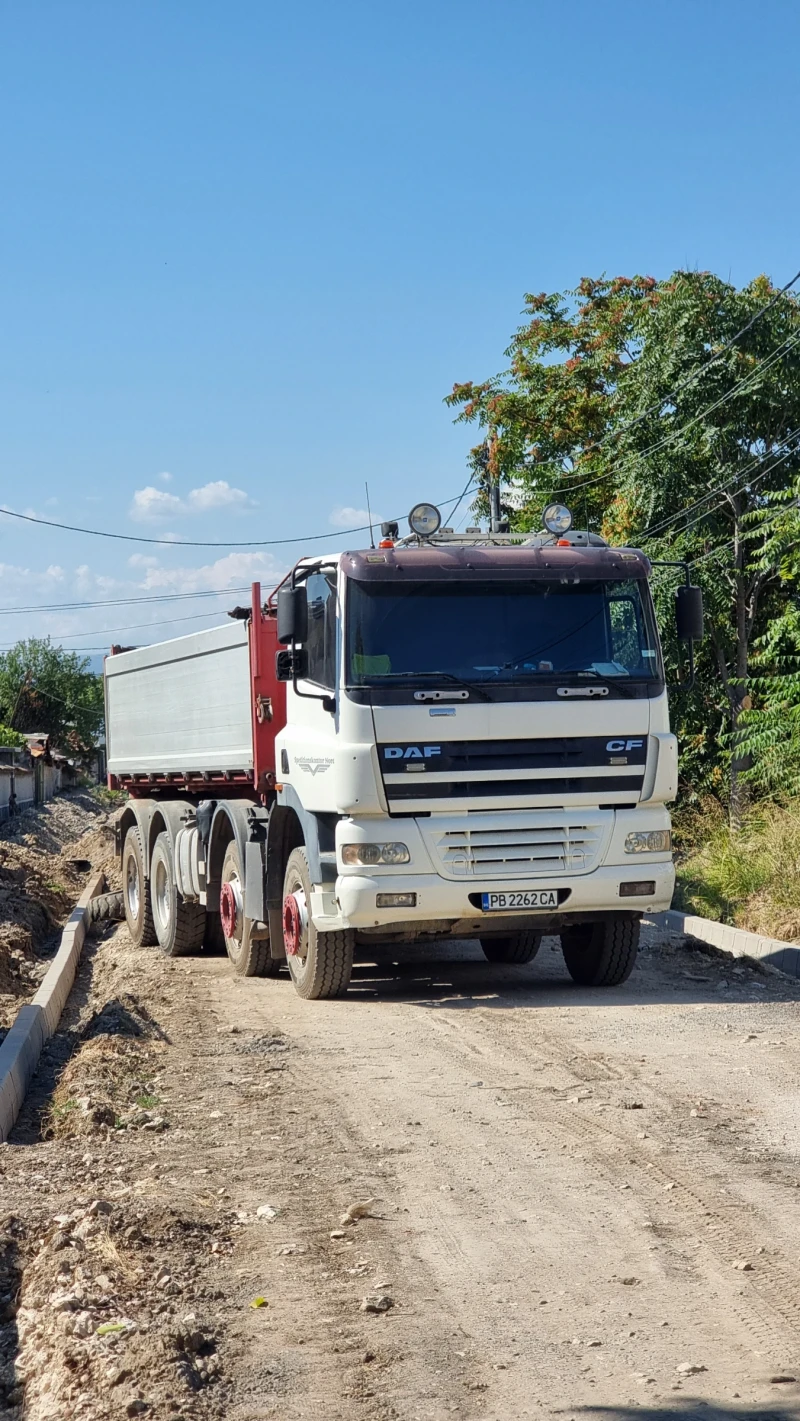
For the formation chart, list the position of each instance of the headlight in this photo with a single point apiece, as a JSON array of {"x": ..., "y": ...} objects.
[
  {"x": 365, "y": 855},
  {"x": 649, "y": 841}
]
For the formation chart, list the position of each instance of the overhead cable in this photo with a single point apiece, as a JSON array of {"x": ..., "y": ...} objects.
[{"x": 199, "y": 542}]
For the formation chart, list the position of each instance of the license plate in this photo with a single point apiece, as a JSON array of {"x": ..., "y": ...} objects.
[{"x": 530, "y": 898}]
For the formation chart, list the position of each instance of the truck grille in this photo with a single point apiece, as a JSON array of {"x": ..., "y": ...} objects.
[{"x": 529, "y": 846}]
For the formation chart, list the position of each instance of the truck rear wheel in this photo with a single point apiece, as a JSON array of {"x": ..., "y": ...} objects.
[
  {"x": 250, "y": 956},
  {"x": 136, "y": 892},
  {"x": 179, "y": 924},
  {"x": 517, "y": 947},
  {"x": 320, "y": 963},
  {"x": 601, "y": 954}
]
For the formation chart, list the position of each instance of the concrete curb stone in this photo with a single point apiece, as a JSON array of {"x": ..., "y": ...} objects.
[
  {"x": 37, "y": 1020},
  {"x": 784, "y": 956}
]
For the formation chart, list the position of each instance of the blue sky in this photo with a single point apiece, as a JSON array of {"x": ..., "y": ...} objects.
[{"x": 246, "y": 249}]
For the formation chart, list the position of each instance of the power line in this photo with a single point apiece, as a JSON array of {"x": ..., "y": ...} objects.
[
  {"x": 638, "y": 455},
  {"x": 138, "y": 626},
  {"x": 695, "y": 374},
  {"x": 195, "y": 542},
  {"x": 120, "y": 601},
  {"x": 657, "y": 529}
]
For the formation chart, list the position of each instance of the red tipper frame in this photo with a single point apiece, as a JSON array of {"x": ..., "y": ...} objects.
[{"x": 268, "y": 694}]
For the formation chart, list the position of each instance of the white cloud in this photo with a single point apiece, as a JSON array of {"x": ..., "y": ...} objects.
[
  {"x": 233, "y": 570},
  {"x": 347, "y": 517},
  {"x": 142, "y": 560},
  {"x": 150, "y": 504},
  {"x": 56, "y": 572},
  {"x": 165, "y": 477},
  {"x": 218, "y": 494}
]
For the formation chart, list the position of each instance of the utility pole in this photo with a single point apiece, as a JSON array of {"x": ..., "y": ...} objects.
[{"x": 489, "y": 461}]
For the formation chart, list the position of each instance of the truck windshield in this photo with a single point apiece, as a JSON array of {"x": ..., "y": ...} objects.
[{"x": 500, "y": 631}]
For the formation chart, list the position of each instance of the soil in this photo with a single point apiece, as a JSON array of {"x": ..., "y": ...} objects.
[
  {"x": 574, "y": 1200},
  {"x": 46, "y": 858}
]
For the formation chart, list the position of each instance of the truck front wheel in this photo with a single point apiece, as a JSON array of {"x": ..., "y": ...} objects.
[
  {"x": 180, "y": 924},
  {"x": 320, "y": 963},
  {"x": 518, "y": 947},
  {"x": 601, "y": 954},
  {"x": 249, "y": 955},
  {"x": 136, "y": 892}
]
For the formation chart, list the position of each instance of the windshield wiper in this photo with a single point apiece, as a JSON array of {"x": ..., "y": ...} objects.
[{"x": 446, "y": 675}]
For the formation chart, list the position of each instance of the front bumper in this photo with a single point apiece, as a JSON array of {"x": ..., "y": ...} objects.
[{"x": 352, "y": 904}]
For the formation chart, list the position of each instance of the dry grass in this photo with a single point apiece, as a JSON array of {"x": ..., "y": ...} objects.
[
  {"x": 752, "y": 878},
  {"x": 107, "y": 1076}
]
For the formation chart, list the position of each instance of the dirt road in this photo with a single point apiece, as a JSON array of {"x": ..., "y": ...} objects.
[{"x": 582, "y": 1199}]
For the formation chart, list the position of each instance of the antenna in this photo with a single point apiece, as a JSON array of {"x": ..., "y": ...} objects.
[{"x": 369, "y": 515}]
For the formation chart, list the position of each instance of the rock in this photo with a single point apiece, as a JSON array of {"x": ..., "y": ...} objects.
[
  {"x": 781, "y": 1378},
  {"x": 669, "y": 1186},
  {"x": 65, "y": 1302},
  {"x": 338, "y": 1233},
  {"x": 267, "y": 1212},
  {"x": 136, "y": 1408},
  {"x": 82, "y": 1326},
  {"x": 377, "y": 1302},
  {"x": 743, "y": 1266},
  {"x": 690, "y": 1369},
  {"x": 629, "y": 1282}
]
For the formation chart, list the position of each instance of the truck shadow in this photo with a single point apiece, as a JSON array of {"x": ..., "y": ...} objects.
[
  {"x": 684, "y": 1410},
  {"x": 456, "y": 976}
]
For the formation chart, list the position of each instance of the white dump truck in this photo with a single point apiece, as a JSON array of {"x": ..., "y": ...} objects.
[{"x": 445, "y": 736}]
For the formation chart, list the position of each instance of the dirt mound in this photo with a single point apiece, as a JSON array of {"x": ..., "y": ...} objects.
[
  {"x": 46, "y": 858},
  {"x": 101, "y": 1324}
]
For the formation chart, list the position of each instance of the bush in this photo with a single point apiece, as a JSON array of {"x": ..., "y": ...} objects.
[
  {"x": 9, "y": 737},
  {"x": 750, "y": 879}
]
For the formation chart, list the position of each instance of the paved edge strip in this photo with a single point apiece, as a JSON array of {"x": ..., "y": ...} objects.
[
  {"x": 784, "y": 956},
  {"x": 37, "y": 1020}
]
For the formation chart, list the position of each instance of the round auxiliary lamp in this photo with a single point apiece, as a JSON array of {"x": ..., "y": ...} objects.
[
  {"x": 424, "y": 520},
  {"x": 557, "y": 519}
]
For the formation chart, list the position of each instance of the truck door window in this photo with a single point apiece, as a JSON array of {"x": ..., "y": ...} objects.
[
  {"x": 625, "y": 633},
  {"x": 321, "y": 643}
]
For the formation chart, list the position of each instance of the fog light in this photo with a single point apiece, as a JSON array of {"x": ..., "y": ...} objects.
[
  {"x": 365, "y": 855},
  {"x": 395, "y": 900},
  {"x": 645, "y": 889},
  {"x": 649, "y": 841}
]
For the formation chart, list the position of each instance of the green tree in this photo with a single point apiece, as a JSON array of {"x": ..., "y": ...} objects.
[
  {"x": 634, "y": 400},
  {"x": 44, "y": 688}
]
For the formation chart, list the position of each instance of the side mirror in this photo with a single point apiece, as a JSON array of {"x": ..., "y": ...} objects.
[
  {"x": 689, "y": 613},
  {"x": 289, "y": 664},
  {"x": 292, "y": 615}
]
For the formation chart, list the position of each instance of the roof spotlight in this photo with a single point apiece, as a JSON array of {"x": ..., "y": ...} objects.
[
  {"x": 557, "y": 518},
  {"x": 424, "y": 520}
]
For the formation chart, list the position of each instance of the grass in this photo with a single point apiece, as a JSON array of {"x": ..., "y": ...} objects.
[
  {"x": 147, "y": 1102},
  {"x": 750, "y": 879}
]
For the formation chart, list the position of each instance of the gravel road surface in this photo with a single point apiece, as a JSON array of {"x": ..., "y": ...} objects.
[{"x": 583, "y": 1201}]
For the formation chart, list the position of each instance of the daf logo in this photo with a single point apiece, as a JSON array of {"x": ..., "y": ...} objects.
[
  {"x": 614, "y": 746},
  {"x": 411, "y": 752}
]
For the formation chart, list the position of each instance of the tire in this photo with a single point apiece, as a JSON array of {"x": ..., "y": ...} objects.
[
  {"x": 518, "y": 947},
  {"x": 250, "y": 956},
  {"x": 136, "y": 892},
  {"x": 105, "y": 908},
  {"x": 601, "y": 954},
  {"x": 322, "y": 966},
  {"x": 179, "y": 924}
]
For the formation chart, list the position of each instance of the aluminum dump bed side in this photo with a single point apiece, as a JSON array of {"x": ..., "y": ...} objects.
[{"x": 181, "y": 706}]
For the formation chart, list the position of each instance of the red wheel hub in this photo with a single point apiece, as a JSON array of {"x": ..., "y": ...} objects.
[
  {"x": 292, "y": 925},
  {"x": 227, "y": 910}
]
